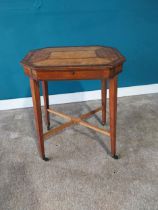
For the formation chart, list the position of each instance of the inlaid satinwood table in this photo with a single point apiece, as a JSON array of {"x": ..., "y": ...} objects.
[{"x": 74, "y": 63}]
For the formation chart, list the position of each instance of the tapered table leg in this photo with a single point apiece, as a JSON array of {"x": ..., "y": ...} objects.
[
  {"x": 113, "y": 114},
  {"x": 38, "y": 116},
  {"x": 103, "y": 96},
  {"x": 46, "y": 103}
]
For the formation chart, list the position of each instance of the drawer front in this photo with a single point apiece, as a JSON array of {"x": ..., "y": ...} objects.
[{"x": 71, "y": 75}]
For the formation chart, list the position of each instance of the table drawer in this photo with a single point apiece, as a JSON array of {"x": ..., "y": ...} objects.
[{"x": 70, "y": 75}]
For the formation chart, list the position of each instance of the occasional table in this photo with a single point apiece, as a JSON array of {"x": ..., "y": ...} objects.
[{"x": 74, "y": 63}]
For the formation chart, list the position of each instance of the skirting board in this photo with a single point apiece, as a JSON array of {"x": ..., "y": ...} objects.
[{"x": 77, "y": 97}]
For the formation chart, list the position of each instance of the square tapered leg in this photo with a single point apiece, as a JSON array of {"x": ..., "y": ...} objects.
[
  {"x": 113, "y": 114},
  {"x": 46, "y": 103},
  {"x": 103, "y": 98},
  {"x": 38, "y": 116}
]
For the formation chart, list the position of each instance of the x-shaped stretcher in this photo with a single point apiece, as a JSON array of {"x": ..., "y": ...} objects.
[{"x": 74, "y": 120}]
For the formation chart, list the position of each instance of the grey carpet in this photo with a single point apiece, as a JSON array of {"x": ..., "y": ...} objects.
[{"x": 81, "y": 175}]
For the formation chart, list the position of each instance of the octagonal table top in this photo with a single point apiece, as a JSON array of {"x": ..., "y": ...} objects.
[{"x": 64, "y": 57}]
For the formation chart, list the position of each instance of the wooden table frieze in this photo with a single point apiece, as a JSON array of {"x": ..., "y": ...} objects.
[{"x": 74, "y": 63}]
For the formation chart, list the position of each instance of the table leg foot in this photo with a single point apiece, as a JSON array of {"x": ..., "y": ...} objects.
[
  {"x": 103, "y": 123},
  {"x": 48, "y": 127},
  {"x": 116, "y": 157},
  {"x": 46, "y": 159}
]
